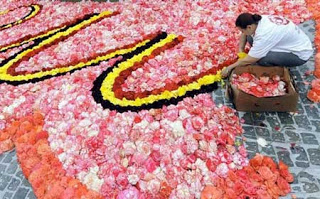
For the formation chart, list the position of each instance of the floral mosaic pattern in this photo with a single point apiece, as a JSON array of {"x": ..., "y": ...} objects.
[{"x": 54, "y": 81}]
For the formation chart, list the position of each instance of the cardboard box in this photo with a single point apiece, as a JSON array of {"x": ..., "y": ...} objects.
[{"x": 247, "y": 102}]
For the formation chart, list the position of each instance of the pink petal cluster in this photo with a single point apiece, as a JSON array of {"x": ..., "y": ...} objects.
[{"x": 263, "y": 86}]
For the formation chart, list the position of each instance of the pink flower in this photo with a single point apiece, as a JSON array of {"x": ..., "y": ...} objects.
[
  {"x": 129, "y": 193},
  {"x": 151, "y": 165}
]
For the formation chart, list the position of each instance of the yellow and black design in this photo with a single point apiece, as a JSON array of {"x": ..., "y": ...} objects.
[
  {"x": 103, "y": 86},
  {"x": 46, "y": 40},
  {"x": 34, "y": 10},
  {"x": 102, "y": 90}
]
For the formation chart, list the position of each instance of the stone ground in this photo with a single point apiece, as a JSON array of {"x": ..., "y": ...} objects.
[{"x": 293, "y": 139}]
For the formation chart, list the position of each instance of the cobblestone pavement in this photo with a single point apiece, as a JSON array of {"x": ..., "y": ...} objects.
[{"x": 292, "y": 139}]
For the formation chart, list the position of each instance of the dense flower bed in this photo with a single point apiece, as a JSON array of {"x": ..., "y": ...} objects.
[{"x": 69, "y": 145}]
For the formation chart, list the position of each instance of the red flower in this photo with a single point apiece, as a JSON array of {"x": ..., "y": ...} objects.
[{"x": 165, "y": 190}]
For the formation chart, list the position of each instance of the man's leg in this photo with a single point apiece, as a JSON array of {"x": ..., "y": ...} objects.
[{"x": 281, "y": 59}]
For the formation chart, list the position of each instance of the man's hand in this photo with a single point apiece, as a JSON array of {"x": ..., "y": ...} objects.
[
  {"x": 243, "y": 60},
  {"x": 225, "y": 72}
]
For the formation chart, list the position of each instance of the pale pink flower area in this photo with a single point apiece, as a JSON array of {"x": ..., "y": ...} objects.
[{"x": 175, "y": 150}]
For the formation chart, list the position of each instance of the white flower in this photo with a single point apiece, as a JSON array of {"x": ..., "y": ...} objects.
[
  {"x": 183, "y": 191},
  {"x": 177, "y": 128},
  {"x": 92, "y": 180},
  {"x": 133, "y": 179},
  {"x": 183, "y": 114},
  {"x": 262, "y": 142}
]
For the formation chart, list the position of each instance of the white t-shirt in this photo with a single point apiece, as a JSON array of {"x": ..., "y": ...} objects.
[{"x": 278, "y": 34}]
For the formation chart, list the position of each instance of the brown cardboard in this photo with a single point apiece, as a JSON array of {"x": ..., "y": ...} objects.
[{"x": 247, "y": 102}]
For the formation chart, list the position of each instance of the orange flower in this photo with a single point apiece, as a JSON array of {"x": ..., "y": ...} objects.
[
  {"x": 263, "y": 194},
  {"x": 38, "y": 118},
  {"x": 312, "y": 95},
  {"x": 283, "y": 186},
  {"x": 267, "y": 161},
  {"x": 284, "y": 172},
  {"x": 256, "y": 161},
  {"x": 230, "y": 194},
  {"x": 273, "y": 189},
  {"x": 211, "y": 192},
  {"x": 266, "y": 173}
]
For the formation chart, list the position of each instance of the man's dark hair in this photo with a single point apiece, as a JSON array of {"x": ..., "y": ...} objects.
[{"x": 246, "y": 19}]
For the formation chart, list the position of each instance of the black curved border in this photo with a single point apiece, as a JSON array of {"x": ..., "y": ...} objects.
[
  {"x": 23, "y": 18},
  {"x": 36, "y": 42},
  {"x": 97, "y": 95}
]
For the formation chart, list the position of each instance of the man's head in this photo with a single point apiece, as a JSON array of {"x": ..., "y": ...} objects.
[{"x": 247, "y": 23}]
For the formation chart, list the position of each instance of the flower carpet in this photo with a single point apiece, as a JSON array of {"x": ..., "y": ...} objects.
[{"x": 105, "y": 100}]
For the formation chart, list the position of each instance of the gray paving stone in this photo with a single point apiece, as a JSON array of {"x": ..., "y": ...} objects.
[
  {"x": 9, "y": 157},
  {"x": 277, "y": 137},
  {"x": 21, "y": 193},
  {"x": 251, "y": 155},
  {"x": 296, "y": 189},
  {"x": 314, "y": 155},
  {"x": 26, "y": 183},
  {"x": 305, "y": 176},
  {"x": 274, "y": 122},
  {"x": 298, "y": 150},
  {"x": 249, "y": 132},
  {"x": 302, "y": 164},
  {"x": 219, "y": 100},
  {"x": 304, "y": 99},
  {"x": 285, "y": 118},
  {"x": 310, "y": 187},
  {"x": 312, "y": 30},
  {"x": 285, "y": 157},
  {"x": 4, "y": 181},
  {"x": 312, "y": 111},
  {"x": 302, "y": 121},
  {"x": 218, "y": 92},
  {"x": 296, "y": 75},
  {"x": 252, "y": 147},
  {"x": 316, "y": 124},
  {"x": 2, "y": 168},
  {"x": 302, "y": 88},
  {"x": 7, "y": 195},
  {"x": 263, "y": 132},
  {"x": 12, "y": 168},
  {"x": 268, "y": 150},
  {"x": 309, "y": 138},
  {"x": 31, "y": 195},
  {"x": 20, "y": 175},
  {"x": 293, "y": 136},
  {"x": 300, "y": 109},
  {"x": 13, "y": 184}
]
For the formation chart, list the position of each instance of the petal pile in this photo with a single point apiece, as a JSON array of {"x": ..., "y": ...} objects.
[{"x": 263, "y": 86}]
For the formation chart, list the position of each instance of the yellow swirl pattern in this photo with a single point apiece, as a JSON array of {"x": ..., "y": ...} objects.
[
  {"x": 35, "y": 10},
  {"x": 108, "y": 82}
]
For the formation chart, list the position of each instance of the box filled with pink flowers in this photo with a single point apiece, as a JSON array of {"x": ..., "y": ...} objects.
[{"x": 257, "y": 88}]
